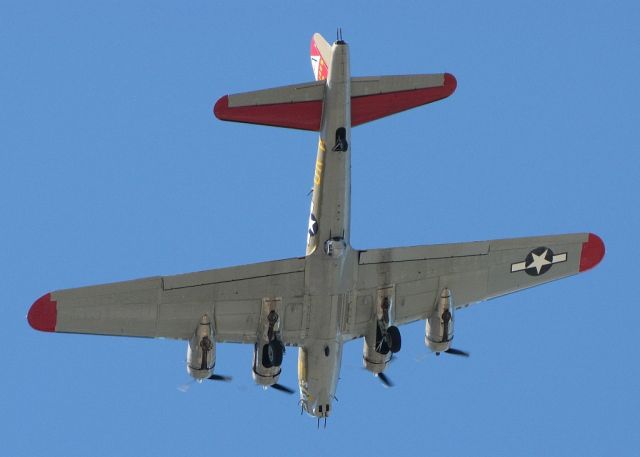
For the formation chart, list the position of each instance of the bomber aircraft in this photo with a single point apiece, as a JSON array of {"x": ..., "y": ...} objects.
[{"x": 334, "y": 293}]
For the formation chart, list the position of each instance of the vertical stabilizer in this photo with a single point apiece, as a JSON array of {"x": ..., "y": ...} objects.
[{"x": 320, "y": 57}]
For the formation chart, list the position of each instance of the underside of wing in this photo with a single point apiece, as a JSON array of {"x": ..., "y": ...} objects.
[
  {"x": 298, "y": 106},
  {"x": 473, "y": 272},
  {"x": 374, "y": 97},
  {"x": 172, "y": 306}
]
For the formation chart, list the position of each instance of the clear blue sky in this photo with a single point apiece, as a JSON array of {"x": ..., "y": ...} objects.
[{"x": 113, "y": 167}]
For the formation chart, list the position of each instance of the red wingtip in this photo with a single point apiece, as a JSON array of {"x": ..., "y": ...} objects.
[
  {"x": 43, "y": 314},
  {"x": 221, "y": 106},
  {"x": 450, "y": 83},
  {"x": 592, "y": 252}
]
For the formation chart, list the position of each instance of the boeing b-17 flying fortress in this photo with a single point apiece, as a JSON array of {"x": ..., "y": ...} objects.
[{"x": 335, "y": 293}]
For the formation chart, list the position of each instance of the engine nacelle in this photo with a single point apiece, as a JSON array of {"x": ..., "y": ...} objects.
[
  {"x": 439, "y": 327},
  {"x": 373, "y": 360},
  {"x": 269, "y": 349},
  {"x": 263, "y": 374},
  {"x": 201, "y": 352}
]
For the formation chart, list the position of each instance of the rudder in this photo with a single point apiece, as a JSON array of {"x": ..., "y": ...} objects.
[{"x": 320, "y": 57}]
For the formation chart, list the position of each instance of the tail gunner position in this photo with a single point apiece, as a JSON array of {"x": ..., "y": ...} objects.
[{"x": 334, "y": 293}]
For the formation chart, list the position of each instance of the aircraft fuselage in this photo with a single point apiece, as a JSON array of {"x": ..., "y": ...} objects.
[{"x": 330, "y": 267}]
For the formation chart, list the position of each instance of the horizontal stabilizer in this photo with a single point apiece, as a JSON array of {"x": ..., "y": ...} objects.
[
  {"x": 298, "y": 106},
  {"x": 379, "y": 96}
]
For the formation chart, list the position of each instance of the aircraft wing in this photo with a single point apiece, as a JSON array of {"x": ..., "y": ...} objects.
[
  {"x": 473, "y": 272},
  {"x": 171, "y": 306}
]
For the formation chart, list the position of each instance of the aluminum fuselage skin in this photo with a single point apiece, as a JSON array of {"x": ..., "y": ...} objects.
[{"x": 329, "y": 278}]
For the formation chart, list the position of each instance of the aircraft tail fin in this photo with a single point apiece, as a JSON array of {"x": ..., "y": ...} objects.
[{"x": 320, "y": 57}]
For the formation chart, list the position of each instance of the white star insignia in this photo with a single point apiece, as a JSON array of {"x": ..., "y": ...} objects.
[
  {"x": 313, "y": 225},
  {"x": 539, "y": 261}
]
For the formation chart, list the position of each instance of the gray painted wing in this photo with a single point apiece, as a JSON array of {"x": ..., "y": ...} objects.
[
  {"x": 375, "y": 85},
  {"x": 472, "y": 271},
  {"x": 171, "y": 306}
]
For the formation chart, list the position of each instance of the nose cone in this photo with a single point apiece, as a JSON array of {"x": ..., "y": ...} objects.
[{"x": 43, "y": 314}]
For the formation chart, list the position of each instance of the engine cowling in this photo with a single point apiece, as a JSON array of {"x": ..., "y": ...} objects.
[
  {"x": 201, "y": 352},
  {"x": 439, "y": 326},
  {"x": 374, "y": 361},
  {"x": 267, "y": 359}
]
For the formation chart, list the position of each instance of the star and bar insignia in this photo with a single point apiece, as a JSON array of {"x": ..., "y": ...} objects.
[
  {"x": 313, "y": 225},
  {"x": 538, "y": 261}
]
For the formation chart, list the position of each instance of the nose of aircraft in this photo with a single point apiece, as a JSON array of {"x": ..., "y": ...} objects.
[{"x": 43, "y": 314}]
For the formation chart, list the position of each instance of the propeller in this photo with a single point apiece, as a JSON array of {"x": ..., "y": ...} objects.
[
  {"x": 214, "y": 377},
  {"x": 454, "y": 351},
  {"x": 282, "y": 388},
  {"x": 219, "y": 377},
  {"x": 384, "y": 379},
  {"x": 184, "y": 388}
]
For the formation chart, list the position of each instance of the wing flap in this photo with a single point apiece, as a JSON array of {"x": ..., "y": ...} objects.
[
  {"x": 256, "y": 270},
  {"x": 436, "y": 251}
]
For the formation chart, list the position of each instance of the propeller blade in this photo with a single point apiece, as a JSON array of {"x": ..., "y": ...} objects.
[
  {"x": 184, "y": 388},
  {"x": 282, "y": 388},
  {"x": 384, "y": 379},
  {"x": 453, "y": 351},
  {"x": 219, "y": 377}
]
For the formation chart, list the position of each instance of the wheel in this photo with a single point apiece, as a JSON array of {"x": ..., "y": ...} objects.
[
  {"x": 272, "y": 354},
  {"x": 267, "y": 356},
  {"x": 277, "y": 349},
  {"x": 394, "y": 340}
]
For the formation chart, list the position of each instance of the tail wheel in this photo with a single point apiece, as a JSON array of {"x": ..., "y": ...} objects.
[
  {"x": 394, "y": 340},
  {"x": 272, "y": 354}
]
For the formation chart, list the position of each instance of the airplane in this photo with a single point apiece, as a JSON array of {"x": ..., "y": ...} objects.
[{"x": 335, "y": 293}]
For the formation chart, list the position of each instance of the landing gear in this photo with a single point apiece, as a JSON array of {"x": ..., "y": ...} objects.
[
  {"x": 388, "y": 340},
  {"x": 272, "y": 354},
  {"x": 393, "y": 339}
]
